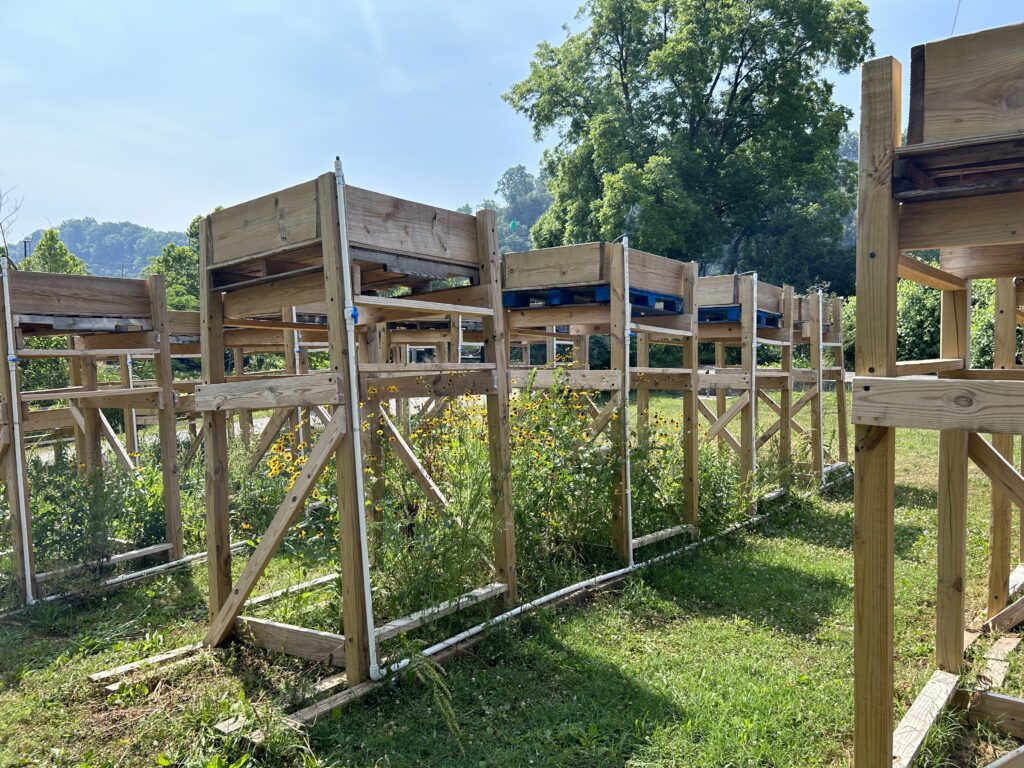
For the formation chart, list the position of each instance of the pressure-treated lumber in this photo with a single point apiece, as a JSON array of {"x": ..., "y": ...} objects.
[
  {"x": 280, "y": 392},
  {"x": 925, "y": 274},
  {"x": 1004, "y": 352},
  {"x": 495, "y": 350},
  {"x": 928, "y": 403},
  {"x": 999, "y": 711},
  {"x": 326, "y": 647},
  {"x": 875, "y": 446},
  {"x": 405, "y": 453},
  {"x": 910, "y": 733},
  {"x": 288, "y": 510}
]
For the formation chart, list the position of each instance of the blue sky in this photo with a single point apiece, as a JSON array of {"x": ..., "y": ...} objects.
[{"x": 154, "y": 112}]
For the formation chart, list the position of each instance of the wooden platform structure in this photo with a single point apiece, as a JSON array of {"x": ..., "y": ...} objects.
[
  {"x": 102, "y": 318},
  {"x": 323, "y": 248},
  {"x": 612, "y": 290},
  {"x": 956, "y": 186},
  {"x": 742, "y": 312}
]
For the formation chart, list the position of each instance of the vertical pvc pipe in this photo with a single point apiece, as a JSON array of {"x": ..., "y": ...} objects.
[
  {"x": 627, "y": 311},
  {"x": 351, "y": 318},
  {"x": 16, "y": 443}
]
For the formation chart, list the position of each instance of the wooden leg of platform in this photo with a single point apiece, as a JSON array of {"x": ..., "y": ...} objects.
[
  {"x": 168, "y": 423},
  {"x": 952, "y": 550},
  {"x": 748, "y": 356},
  {"x": 875, "y": 447}
]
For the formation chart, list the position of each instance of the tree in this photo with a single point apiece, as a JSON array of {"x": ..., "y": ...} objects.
[
  {"x": 526, "y": 198},
  {"x": 179, "y": 264},
  {"x": 703, "y": 128},
  {"x": 51, "y": 255}
]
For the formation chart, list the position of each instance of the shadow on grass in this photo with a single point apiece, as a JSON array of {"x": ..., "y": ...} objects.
[
  {"x": 831, "y": 528},
  {"x": 523, "y": 697},
  {"x": 729, "y": 579},
  {"x": 98, "y": 620}
]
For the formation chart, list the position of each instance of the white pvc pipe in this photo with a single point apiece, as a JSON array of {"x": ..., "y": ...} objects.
[
  {"x": 16, "y": 444},
  {"x": 351, "y": 318},
  {"x": 627, "y": 318}
]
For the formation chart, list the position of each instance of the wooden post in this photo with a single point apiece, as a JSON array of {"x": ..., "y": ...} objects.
[
  {"x": 91, "y": 430},
  {"x": 817, "y": 434},
  {"x": 1004, "y": 355},
  {"x": 131, "y": 435},
  {"x": 721, "y": 394},
  {"x": 839, "y": 360},
  {"x": 168, "y": 419},
  {"x": 691, "y": 416},
  {"x": 622, "y": 537},
  {"x": 643, "y": 391},
  {"x": 353, "y": 575},
  {"x": 215, "y": 434},
  {"x": 498, "y": 433},
  {"x": 75, "y": 374},
  {"x": 786, "y": 392},
  {"x": 748, "y": 358},
  {"x": 875, "y": 447},
  {"x": 952, "y": 499},
  {"x": 16, "y": 478},
  {"x": 244, "y": 417}
]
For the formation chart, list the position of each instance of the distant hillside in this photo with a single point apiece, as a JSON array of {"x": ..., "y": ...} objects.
[{"x": 110, "y": 248}]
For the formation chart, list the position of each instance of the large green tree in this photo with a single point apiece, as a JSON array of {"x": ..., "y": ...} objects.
[
  {"x": 704, "y": 128},
  {"x": 51, "y": 255},
  {"x": 179, "y": 264}
]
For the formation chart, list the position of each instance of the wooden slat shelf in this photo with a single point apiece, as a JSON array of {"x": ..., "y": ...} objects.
[{"x": 966, "y": 167}]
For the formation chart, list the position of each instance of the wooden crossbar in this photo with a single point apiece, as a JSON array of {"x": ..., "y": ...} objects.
[
  {"x": 998, "y": 469},
  {"x": 725, "y": 434},
  {"x": 721, "y": 422},
  {"x": 404, "y": 452},
  {"x": 909, "y": 735}
]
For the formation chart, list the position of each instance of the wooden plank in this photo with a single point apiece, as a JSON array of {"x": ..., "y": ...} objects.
[
  {"x": 1007, "y": 619},
  {"x": 115, "y": 444},
  {"x": 383, "y": 223},
  {"x": 924, "y": 367},
  {"x": 997, "y": 661},
  {"x": 874, "y": 481},
  {"x": 927, "y": 403},
  {"x": 495, "y": 350},
  {"x": 325, "y": 647},
  {"x": 46, "y": 293},
  {"x": 442, "y": 384},
  {"x": 168, "y": 429},
  {"x": 351, "y": 511},
  {"x": 913, "y": 728},
  {"x": 1004, "y": 713},
  {"x": 927, "y": 275},
  {"x": 725, "y": 434},
  {"x": 288, "y": 510},
  {"x": 281, "y": 392},
  {"x": 619, "y": 318},
  {"x": 722, "y": 421},
  {"x": 718, "y": 290},
  {"x": 544, "y": 378},
  {"x": 962, "y": 222},
  {"x": 217, "y": 480},
  {"x": 817, "y": 437},
  {"x": 405, "y": 453},
  {"x": 1004, "y": 353},
  {"x": 277, "y": 420},
  {"x": 1002, "y": 474},
  {"x": 427, "y": 615},
  {"x": 401, "y": 307},
  {"x": 561, "y": 266},
  {"x": 1014, "y": 759},
  {"x": 952, "y": 550},
  {"x": 270, "y": 297},
  {"x": 972, "y": 83},
  {"x": 983, "y": 261},
  {"x": 147, "y": 663},
  {"x": 46, "y": 419}
]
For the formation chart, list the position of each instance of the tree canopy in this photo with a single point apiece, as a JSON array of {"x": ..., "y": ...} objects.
[
  {"x": 179, "y": 264},
  {"x": 52, "y": 255},
  {"x": 526, "y": 197},
  {"x": 704, "y": 128}
]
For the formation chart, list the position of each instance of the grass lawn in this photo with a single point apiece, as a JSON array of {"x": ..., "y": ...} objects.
[{"x": 738, "y": 654}]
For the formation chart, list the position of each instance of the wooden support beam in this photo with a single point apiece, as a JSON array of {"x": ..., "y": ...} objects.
[
  {"x": 1004, "y": 713},
  {"x": 924, "y": 367},
  {"x": 928, "y": 403},
  {"x": 1007, "y": 619},
  {"x": 167, "y": 419},
  {"x": 277, "y": 420},
  {"x": 999, "y": 470},
  {"x": 725, "y": 434},
  {"x": 784, "y": 409},
  {"x": 817, "y": 436},
  {"x": 495, "y": 350},
  {"x": 722, "y": 421},
  {"x": 351, "y": 511},
  {"x": 929, "y": 276},
  {"x": 619, "y": 314},
  {"x": 405, "y": 453},
  {"x": 218, "y": 482},
  {"x": 913, "y": 728},
  {"x": 280, "y": 392},
  {"x": 288, "y": 510},
  {"x": 115, "y": 445},
  {"x": 875, "y": 446},
  {"x": 721, "y": 395},
  {"x": 324, "y": 647},
  {"x": 748, "y": 362},
  {"x": 952, "y": 549}
]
